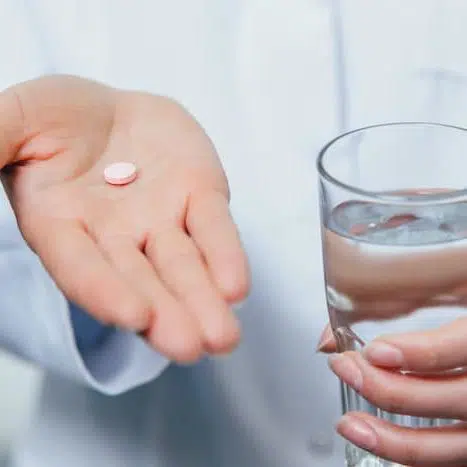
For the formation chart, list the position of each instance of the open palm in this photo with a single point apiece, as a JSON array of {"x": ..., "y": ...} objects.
[{"x": 160, "y": 256}]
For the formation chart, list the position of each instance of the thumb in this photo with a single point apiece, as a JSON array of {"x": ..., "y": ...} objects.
[
  {"x": 59, "y": 105},
  {"x": 327, "y": 343}
]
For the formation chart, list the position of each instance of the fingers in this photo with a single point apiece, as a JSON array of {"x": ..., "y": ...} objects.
[
  {"x": 403, "y": 394},
  {"x": 444, "y": 348},
  {"x": 211, "y": 227},
  {"x": 85, "y": 277},
  {"x": 427, "y": 447},
  {"x": 172, "y": 330},
  {"x": 180, "y": 267}
]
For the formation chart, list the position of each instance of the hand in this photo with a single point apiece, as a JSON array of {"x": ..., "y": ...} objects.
[
  {"x": 440, "y": 356},
  {"x": 160, "y": 256}
]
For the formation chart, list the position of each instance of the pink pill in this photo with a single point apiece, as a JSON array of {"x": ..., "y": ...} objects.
[{"x": 120, "y": 173}]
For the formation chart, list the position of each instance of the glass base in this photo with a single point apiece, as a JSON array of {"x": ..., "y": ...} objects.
[{"x": 354, "y": 402}]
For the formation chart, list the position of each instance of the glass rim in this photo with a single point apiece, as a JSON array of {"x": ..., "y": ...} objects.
[{"x": 425, "y": 198}]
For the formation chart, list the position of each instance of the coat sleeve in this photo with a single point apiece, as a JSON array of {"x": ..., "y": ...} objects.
[
  {"x": 38, "y": 324},
  {"x": 36, "y": 321}
]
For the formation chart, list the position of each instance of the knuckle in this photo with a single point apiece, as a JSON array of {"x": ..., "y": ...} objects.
[
  {"x": 205, "y": 222},
  {"x": 133, "y": 315},
  {"x": 178, "y": 258},
  {"x": 112, "y": 236},
  {"x": 208, "y": 208},
  {"x": 404, "y": 449},
  {"x": 431, "y": 357},
  {"x": 179, "y": 273},
  {"x": 388, "y": 399},
  {"x": 411, "y": 452},
  {"x": 395, "y": 403},
  {"x": 173, "y": 255}
]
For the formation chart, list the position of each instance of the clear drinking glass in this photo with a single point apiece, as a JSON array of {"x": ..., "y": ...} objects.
[{"x": 394, "y": 230}]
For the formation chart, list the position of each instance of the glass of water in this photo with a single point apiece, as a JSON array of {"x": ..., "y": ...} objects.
[{"x": 394, "y": 231}]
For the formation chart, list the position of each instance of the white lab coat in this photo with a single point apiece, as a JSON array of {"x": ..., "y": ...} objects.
[{"x": 265, "y": 78}]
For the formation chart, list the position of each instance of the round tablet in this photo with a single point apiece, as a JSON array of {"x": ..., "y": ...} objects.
[{"x": 120, "y": 173}]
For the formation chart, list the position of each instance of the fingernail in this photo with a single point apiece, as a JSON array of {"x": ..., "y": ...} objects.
[
  {"x": 383, "y": 354},
  {"x": 357, "y": 432},
  {"x": 325, "y": 340},
  {"x": 347, "y": 370}
]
